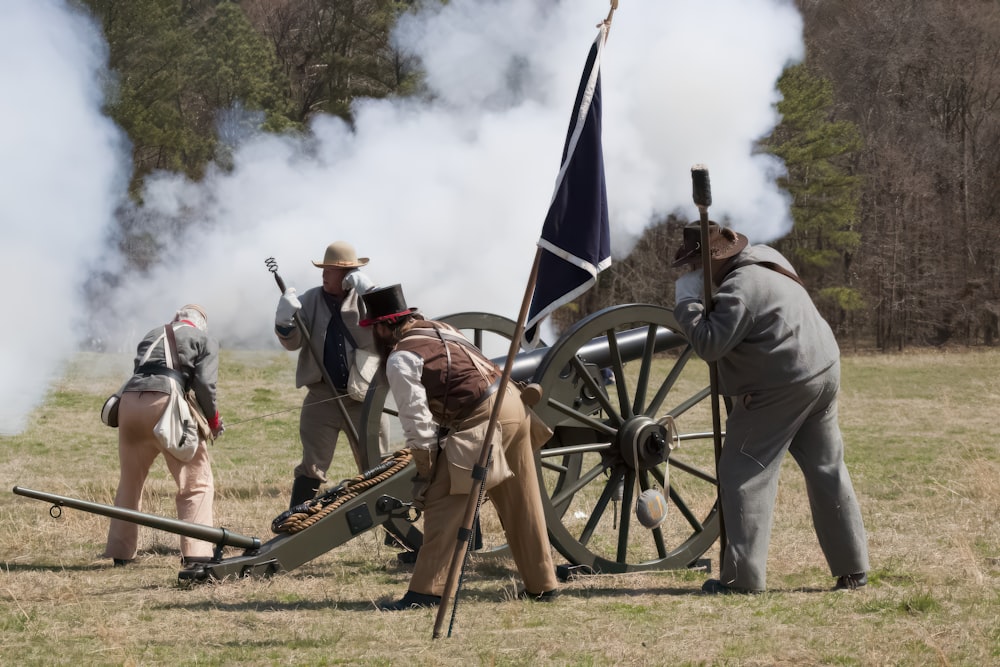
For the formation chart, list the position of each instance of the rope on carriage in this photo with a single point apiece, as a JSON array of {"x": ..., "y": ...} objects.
[{"x": 311, "y": 512}]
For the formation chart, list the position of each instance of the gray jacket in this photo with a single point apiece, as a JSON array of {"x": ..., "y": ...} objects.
[
  {"x": 198, "y": 355},
  {"x": 316, "y": 316},
  {"x": 764, "y": 330}
]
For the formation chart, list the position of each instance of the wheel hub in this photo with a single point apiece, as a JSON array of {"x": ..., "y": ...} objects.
[{"x": 642, "y": 440}]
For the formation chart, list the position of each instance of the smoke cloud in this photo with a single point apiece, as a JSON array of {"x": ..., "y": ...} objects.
[
  {"x": 445, "y": 196},
  {"x": 61, "y": 174}
]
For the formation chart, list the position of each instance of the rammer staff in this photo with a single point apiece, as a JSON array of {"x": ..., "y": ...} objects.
[
  {"x": 352, "y": 433},
  {"x": 702, "y": 194}
]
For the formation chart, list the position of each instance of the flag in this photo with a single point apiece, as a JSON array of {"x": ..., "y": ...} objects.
[{"x": 576, "y": 238}]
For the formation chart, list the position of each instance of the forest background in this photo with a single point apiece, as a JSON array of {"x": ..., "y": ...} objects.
[{"x": 890, "y": 133}]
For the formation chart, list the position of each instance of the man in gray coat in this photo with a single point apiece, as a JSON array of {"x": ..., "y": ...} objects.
[
  {"x": 779, "y": 369},
  {"x": 331, "y": 313}
]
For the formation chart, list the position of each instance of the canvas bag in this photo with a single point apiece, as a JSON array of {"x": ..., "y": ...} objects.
[
  {"x": 362, "y": 373},
  {"x": 177, "y": 429}
]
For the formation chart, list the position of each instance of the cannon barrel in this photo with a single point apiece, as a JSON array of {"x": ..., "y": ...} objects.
[
  {"x": 217, "y": 536},
  {"x": 631, "y": 344}
]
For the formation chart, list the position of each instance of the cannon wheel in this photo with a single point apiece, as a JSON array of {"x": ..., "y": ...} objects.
[
  {"x": 482, "y": 329},
  {"x": 608, "y": 446}
]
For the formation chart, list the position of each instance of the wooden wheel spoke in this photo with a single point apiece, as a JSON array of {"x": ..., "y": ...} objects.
[
  {"x": 599, "y": 428},
  {"x": 568, "y": 491},
  {"x": 598, "y": 511}
]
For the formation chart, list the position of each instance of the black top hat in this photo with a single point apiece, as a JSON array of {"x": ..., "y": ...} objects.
[{"x": 384, "y": 304}]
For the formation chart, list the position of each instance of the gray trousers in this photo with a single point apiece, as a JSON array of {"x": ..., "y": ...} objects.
[{"x": 802, "y": 420}]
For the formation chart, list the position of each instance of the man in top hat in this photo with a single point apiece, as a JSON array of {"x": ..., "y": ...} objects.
[
  {"x": 445, "y": 390},
  {"x": 779, "y": 369},
  {"x": 143, "y": 400},
  {"x": 331, "y": 313}
]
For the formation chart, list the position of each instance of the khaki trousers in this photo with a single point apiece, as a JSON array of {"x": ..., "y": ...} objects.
[
  {"x": 320, "y": 424},
  {"x": 517, "y": 501},
  {"x": 137, "y": 449}
]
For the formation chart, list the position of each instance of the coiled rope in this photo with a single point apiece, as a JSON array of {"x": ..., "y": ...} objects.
[{"x": 308, "y": 513}]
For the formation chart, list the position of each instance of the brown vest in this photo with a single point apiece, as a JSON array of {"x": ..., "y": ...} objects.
[{"x": 453, "y": 368}]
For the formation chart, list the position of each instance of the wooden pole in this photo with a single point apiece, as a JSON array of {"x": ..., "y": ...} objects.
[
  {"x": 339, "y": 398},
  {"x": 479, "y": 472},
  {"x": 702, "y": 193}
]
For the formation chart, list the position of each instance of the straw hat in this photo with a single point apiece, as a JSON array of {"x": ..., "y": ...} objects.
[{"x": 340, "y": 255}]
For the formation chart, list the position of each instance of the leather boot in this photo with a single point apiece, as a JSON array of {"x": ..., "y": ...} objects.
[{"x": 303, "y": 490}]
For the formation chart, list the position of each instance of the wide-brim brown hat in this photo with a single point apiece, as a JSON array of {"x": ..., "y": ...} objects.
[
  {"x": 723, "y": 243},
  {"x": 384, "y": 304},
  {"x": 340, "y": 255}
]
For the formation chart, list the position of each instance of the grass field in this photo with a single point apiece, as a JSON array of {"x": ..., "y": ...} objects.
[{"x": 923, "y": 448}]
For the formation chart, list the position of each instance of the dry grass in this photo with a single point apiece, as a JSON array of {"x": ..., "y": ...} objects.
[{"x": 923, "y": 450}]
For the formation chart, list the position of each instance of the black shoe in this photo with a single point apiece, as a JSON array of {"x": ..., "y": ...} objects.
[
  {"x": 850, "y": 582},
  {"x": 122, "y": 562},
  {"x": 407, "y": 557},
  {"x": 716, "y": 587},
  {"x": 303, "y": 490},
  {"x": 412, "y": 601},
  {"x": 544, "y": 596},
  {"x": 192, "y": 561}
]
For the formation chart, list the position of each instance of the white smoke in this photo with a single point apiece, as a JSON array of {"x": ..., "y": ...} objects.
[
  {"x": 446, "y": 196},
  {"x": 60, "y": 178}
]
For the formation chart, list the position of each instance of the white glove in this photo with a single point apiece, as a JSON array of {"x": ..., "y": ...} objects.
[
  {"x": 357, "y": 281},
  {"x": 288, "y": 305},
  {"x": 689, "y": 286}
]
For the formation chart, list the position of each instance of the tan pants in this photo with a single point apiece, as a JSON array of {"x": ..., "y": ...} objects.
[
  {"x": 518, "y": 503},
  {"x": 137, "y": 449}
]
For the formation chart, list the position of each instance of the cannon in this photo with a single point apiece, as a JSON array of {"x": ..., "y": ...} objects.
[{"x": 612, "y": 386}]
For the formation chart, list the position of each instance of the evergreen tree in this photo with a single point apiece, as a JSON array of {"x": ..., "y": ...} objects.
[
  {"x": 817, "y": 152},
  {"x": 175, "y": 67}
]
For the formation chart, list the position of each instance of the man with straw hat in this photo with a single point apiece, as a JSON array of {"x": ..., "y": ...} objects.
[{"x": 331, "y": 313}]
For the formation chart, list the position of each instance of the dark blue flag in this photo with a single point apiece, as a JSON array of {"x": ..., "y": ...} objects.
[{"x": 576, "y": 238}]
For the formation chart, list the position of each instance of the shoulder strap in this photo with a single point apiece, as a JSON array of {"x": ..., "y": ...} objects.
[
  {"x": 172, "y": 359},
  {"x": 782, "y": 270},
  {"x": 149, "y": 350},
  {"x": 774, "y": 266},
  {"x": 447, "y": 335}
]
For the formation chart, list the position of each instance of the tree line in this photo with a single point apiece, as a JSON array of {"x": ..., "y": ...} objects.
[{"x": 890, "y": 133}]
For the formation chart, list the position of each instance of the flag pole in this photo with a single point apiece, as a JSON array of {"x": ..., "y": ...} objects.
[
  {"x": 478, "y": 491},
  {"x": 479, "y": 472}
]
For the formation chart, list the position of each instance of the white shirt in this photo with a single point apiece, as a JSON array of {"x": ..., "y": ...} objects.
[{"x": 403, "y": 370}]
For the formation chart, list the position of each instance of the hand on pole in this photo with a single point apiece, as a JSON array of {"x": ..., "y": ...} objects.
[
  {"x": 688, "y": 286},
  {"x": 288, "y": 305}
]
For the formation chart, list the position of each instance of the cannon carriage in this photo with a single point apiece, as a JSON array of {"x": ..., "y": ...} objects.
[{"x": 628, "y": 403}]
